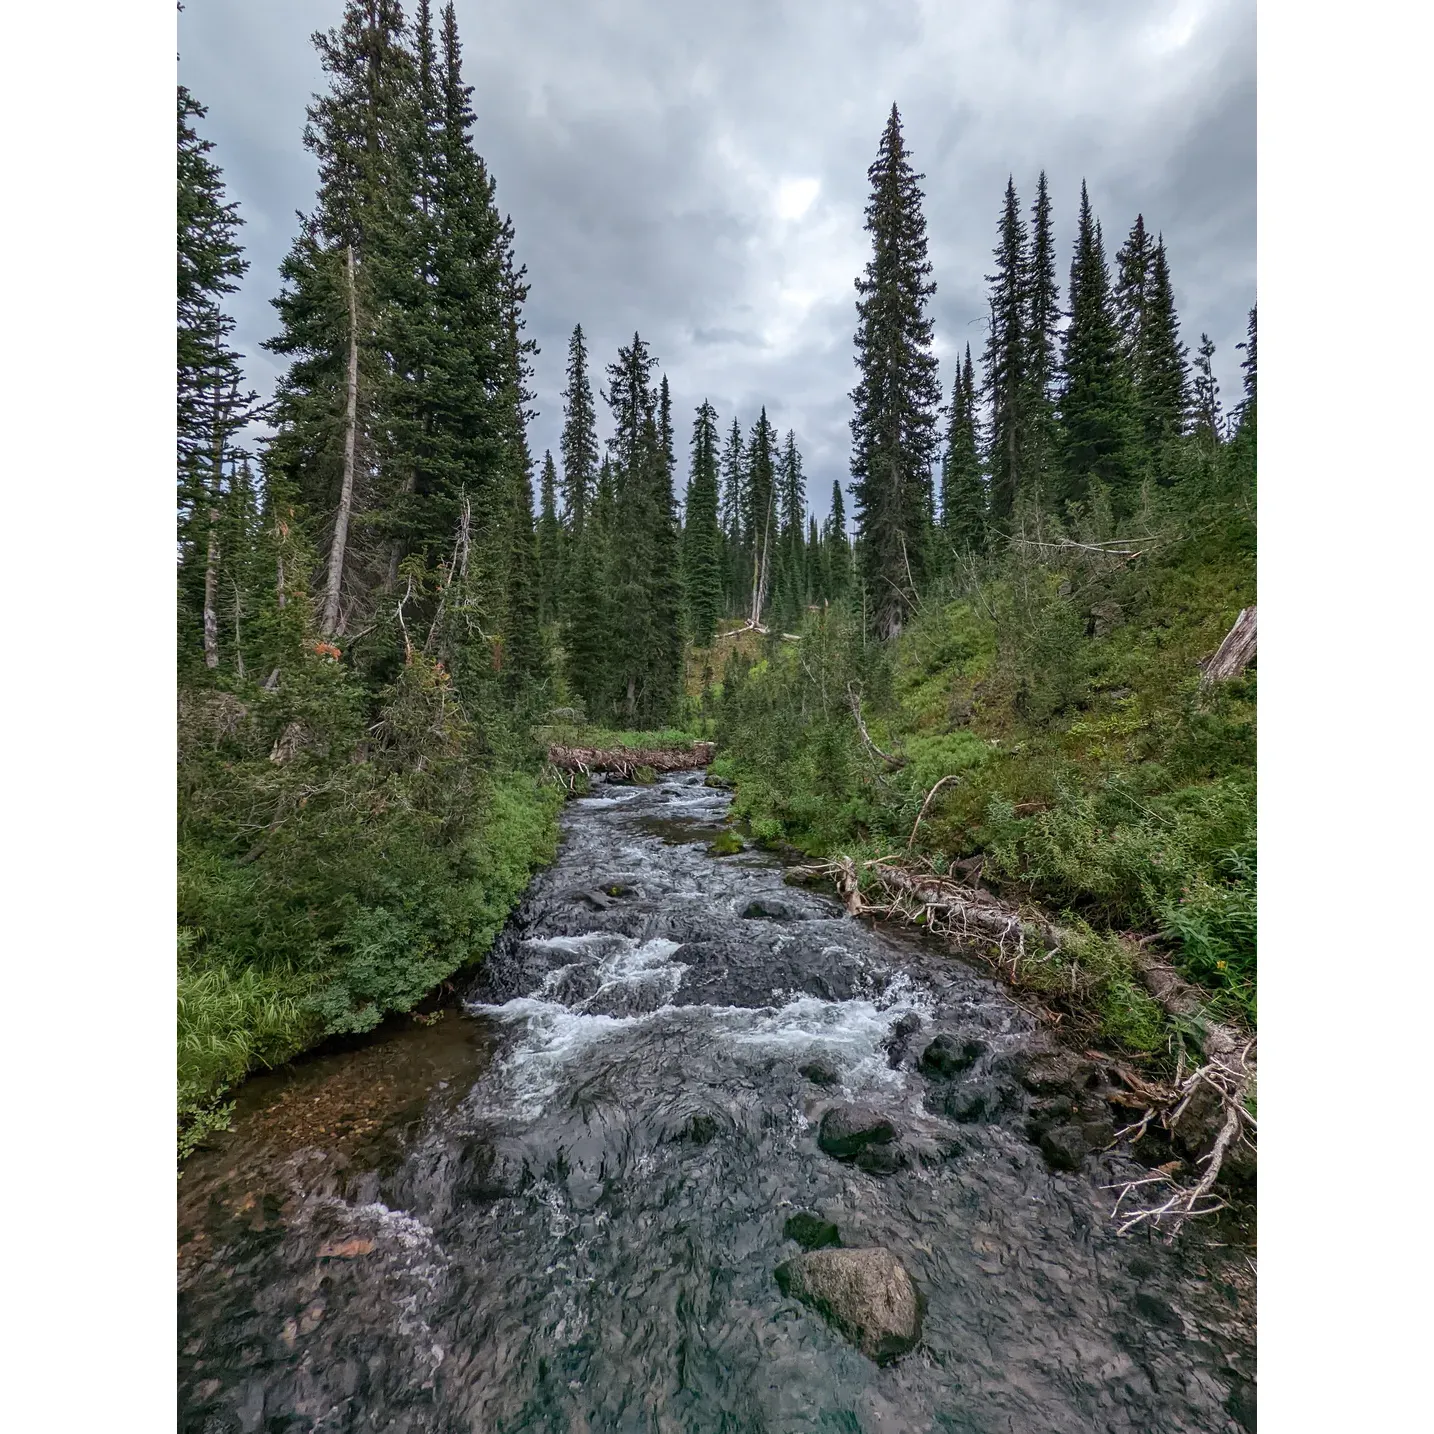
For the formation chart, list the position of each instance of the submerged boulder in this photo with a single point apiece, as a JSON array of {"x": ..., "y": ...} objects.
[
  {"x": 771, "y": 908},
  {"x": 810, "y": 1231},
  {"x": 864, "y": 1293},
  {"x": 949, "y": 1055},
  {"x": 820, "y": 1073},
  {"x": 846, "y": 1130}
]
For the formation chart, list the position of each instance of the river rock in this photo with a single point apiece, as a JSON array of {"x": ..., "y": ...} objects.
[
  {"x": 970, "y": 1103},
  {"x": 847, "y": 1129},
  {"x": 864, "y": 1293},
  {"x": 820, "y": 1073},
  {"x": 1050, "y": 1072},
  {"x": 899, "y": 1038},
  {"x": 882, "y": 1159},
  {"x": 1064, "y": 1147},
  {"x": 810, "y": 1231},
  {"x": 948, "y": 1055},
  {"x": 771, "y": 908}
]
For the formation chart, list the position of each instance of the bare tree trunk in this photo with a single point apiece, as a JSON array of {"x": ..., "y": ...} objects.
[
  {"x": 281, "y": 532},
  {"x": 760, "y": 564},
  {"x": 211, "y": 562},
  {"x": 238, "y": 644},
  {"x": 1237, "y": 651},
  {"x": 346, "y": 493}
]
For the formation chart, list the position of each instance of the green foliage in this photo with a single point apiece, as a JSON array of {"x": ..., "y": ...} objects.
[
  {"x": 1214, "y": 921},
  {"x": 1061, "y": 691},
  {"x": 332, "y": 867}
]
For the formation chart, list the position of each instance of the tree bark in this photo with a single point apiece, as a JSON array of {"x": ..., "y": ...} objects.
[
  {"x": 1237, "y": 651},
  {"x": 346, "y": 492},
  {"x": 211, "y": 561}
]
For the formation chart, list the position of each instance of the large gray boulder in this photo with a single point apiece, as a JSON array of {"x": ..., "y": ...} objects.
[{"x": 864, "y": 1293}]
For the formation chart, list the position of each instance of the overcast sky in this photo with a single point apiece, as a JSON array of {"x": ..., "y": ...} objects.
[{"x": 698, "y": 173}]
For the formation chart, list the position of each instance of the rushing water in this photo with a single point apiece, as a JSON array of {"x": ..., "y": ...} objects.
[{"x": 562, "y": 1212}]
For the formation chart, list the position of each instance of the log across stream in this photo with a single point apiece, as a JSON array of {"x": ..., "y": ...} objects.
[{"x": 562, "y": 1207}]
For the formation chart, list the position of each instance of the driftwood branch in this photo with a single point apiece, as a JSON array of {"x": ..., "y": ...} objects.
[
  {"x": 1236, "y": 653},
  {"x": 854, "y": 697}
]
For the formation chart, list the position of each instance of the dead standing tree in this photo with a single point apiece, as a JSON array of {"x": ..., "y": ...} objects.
[
  {"x": 334, "y": 584},
  {"x": 1235, "y": 654}
]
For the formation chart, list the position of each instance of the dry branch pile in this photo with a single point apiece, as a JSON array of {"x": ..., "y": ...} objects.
[
  {"x": 628, "y": 761},
  {"x": 1204, "y": 1112}
]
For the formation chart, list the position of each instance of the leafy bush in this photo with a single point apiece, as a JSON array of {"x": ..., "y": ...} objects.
[{"x": 336, "y": 864}]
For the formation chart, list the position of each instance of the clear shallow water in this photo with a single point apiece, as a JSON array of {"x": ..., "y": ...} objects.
[{"x": 579, "y": 1231}]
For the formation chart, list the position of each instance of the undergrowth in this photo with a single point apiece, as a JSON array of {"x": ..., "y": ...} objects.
[{"x": 1059, "y": 687}]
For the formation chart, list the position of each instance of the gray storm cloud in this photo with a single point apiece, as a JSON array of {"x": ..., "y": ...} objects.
[{"x": 699, "y": 174}]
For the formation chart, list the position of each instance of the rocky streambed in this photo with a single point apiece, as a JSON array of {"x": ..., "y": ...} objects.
[{"x": 702, "y": 1153}]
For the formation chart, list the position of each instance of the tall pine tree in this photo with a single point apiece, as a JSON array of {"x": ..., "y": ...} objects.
[
  {"x": 732, "y": 518},
  {"x": 1208, "y": 426},
  {"x": 1006, "y": 358},
  {"x": 647, "y": 592},
  {"x": 701, "y": 536},
  {"x": 761, "y": 524},
  {"x": 963, "y": 488},
  {"x": 1164, "y": 373},
  {"x": 550, "y": 545},
  {"x": 579, "y": 442},
  {"x": 210, "y": 405},
  {"x": 1042, "y": 323},
  {"x": 1096, "y": 409},
  {"x": 898, "y": 394}
]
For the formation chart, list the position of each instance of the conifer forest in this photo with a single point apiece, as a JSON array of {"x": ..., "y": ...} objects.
[{"x": 996, "y": 690}]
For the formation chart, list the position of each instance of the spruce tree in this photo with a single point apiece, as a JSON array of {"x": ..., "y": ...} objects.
[
  {"x": 761, "y": 525},
  {"x": 814, "y": 583},
  {"x": 1006, "y": 358},
  {"x": 336, "y": 309},
  {"x": 701, "y": 536},
  {"x": 834, "y": 539},
  {"x": 460, "y": 447},
  {"x": 734, "y": 506},
  {"x": 590, "y": 618},
  {"x": 210, "y": 264},
  {"x": 666, "y": 441},
  {"x": 1134, "y": 276},
  {"x": 515, "y": 555},
  {"x": 1096, "y": 410},
  {"x": 789, "y": 560},
  {"x": 646, "y": 584},
  {"x": 1207, "y": 424},
  {"x": 1042, "y": 324},
  {"x": 550, "y": 545},
  {"x": 963, "y": 489},
  {"x": 898, "y": 394},
  {"x": 1163, "y": 367},
  {"x": 211, "y": 408},
  {"x": 1248, "y": 369},
  {"x": 579, "y": 442}
]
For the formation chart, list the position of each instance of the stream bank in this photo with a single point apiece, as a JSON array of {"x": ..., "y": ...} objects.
[{"x": 565, "y": 1208}]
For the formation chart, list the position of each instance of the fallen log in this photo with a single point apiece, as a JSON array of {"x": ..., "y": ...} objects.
[
  {"x": 1236, "y": 653},
  {"x": 626, "y": 761}
]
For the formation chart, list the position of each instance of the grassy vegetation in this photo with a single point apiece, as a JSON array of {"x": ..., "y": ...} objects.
[
  {"x": 1059, "y": 684},
  {"x": 333, "y": 869}
]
